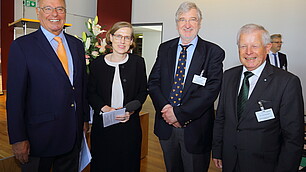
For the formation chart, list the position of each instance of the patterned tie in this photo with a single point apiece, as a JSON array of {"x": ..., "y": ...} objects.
[
  {"x": 178, "y": 84},
  {"x": 61, "y": 53},
  {"x": 275, "y": 59},
  {"x": 243, "y": 94}
]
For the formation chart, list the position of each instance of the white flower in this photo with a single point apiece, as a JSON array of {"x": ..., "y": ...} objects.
[
  {"x": 95, "y": 53},
  {"x": 96, "y": 29},
  {"x": 87, "y": 44},
  {"x": 102, "y": 45},
  {"x": 87, "y": 61}
]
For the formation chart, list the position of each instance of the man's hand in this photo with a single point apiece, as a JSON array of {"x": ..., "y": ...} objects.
[
  {"x": 218, "y": 162},
  {"x": 169, "y": 116},
  {"x": 21, "y": 151}
]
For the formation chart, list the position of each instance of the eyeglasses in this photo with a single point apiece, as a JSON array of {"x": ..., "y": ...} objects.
[
  {"x": 119, "y": 37},
  {"x": 49, "y": 10},
  {"x": 278, "y": 42},
  {"x": 192, "y": 20}
]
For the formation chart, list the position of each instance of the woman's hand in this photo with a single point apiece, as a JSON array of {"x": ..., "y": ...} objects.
[
  {"x": 124, "y": 118},
  {"x": 107, "y": 109}
]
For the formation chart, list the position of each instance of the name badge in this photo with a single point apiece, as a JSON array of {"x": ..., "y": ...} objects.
[
  {"x": 199, "y": 79},
  {"x": 264, "y": 115}
]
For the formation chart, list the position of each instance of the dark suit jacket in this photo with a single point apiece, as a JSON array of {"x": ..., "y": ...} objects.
[
  {"x": 282, "y": 60},
  {"x": 42, "y": 105},
  {"x": 272, "y": 145},
  {"x": 196, "y": 112}
]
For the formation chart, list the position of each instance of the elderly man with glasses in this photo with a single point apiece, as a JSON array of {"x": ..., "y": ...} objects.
[{"x": 46, "y": 106}]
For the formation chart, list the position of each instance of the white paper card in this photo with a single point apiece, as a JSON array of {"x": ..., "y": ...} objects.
[
  {"x": 85, "y": 156},
  {"x": 109, "y": 117},
  {"x": 264, "y": 115},
  {"x": 200, "y": 80}
]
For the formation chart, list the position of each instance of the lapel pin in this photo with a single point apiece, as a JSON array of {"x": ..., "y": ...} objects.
[{"x": 265, "y": 80}]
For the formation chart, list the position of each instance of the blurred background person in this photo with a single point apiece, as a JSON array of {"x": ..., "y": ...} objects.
[
  {"x": 115, "y": 80},
  {"x": 275, "y": 57}
]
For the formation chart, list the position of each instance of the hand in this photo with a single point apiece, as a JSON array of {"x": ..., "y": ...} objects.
[
  {"x": 21, "y": 151},
  {"x": 177, "y": 125},
  {"x": 218, "y": 162},
  {"x": 86, "y": 127},
  {"x": 124, "y": 118},
  {"x": 107, "y": 108},
  {"x": 168, "y": 114}
]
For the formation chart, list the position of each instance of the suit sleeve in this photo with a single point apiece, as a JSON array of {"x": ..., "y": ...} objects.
[
  {"x": 219, "y": 126},
  {"x": 16, "y": 93},
  {"x": 292, "y": 122},
  {"x": 202, "y": 99}
]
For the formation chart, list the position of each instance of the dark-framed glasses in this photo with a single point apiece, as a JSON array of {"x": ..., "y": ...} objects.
[
  {"x": 277, "y": 42},
  {"x": 119, "y": 37},
  {"x": 49, "y": 10}
]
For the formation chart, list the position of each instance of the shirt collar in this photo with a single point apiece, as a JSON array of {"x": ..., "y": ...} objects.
[
  {"x": 193, "y": 42},
  {"x": 50, "y": 35},
  {"x": 256, "y": 72}
]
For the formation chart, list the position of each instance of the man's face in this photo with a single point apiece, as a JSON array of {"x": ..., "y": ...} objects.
[
  {"x": 252, "y": 51},
  {"x": 188, "y": 26},
  {"x": 52, "y": 19},
  {"x": 276, "y": 44}
]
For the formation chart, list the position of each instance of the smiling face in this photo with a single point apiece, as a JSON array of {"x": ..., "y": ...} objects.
[
  {"x": 121, "y": 40},
  {"x": 188, "y": 25},
  {"x": 53, "y": 22},
  {"x": 252, "y": 51},
  {"x": 276, "y": 45}
]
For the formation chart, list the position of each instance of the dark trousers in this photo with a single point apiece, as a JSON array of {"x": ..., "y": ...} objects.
[
  {"x": 68, "y": 162},
  {"x": 178, "y": 159}
]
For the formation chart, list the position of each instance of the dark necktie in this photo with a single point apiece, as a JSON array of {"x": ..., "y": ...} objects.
[
  {"x": 178, "y": 84},
  {"x": 275, "y": 59},
  {"x": 243, "y": 94}
]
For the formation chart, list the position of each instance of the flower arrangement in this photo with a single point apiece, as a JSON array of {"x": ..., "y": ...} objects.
[{"x": 94, "y": 44}]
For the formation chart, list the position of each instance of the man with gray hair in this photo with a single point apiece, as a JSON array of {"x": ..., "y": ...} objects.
[
  {"x": 275, "y": 57},
  {"x": 183, "y": 84},
  {"x": 259, "y": 120}
]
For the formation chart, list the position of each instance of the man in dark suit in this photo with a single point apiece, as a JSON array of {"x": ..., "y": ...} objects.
[
  {"x": 275, "y": 57},
  {"x": 184, "y": 105},
  {"x": 46, "y": 104},
  {"x": 258, "y": 127}
]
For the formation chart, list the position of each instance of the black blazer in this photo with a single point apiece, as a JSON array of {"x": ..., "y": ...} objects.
[
  {"x": 42, "y": 105},
  {"x": 196, "y": 112},
  {"x": 268, "y": 146},
  {"x": 282, "y": 60},
  {"x": 133, "y": 78}
]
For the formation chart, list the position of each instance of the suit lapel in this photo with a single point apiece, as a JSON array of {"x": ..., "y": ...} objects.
[
  {"x": 236, "y": 77},
  {"x": 172, "y": 60},
  {"x": 198, "y": 59},
  {"x": 73, "y": 50},
  {"x": 261, "y": 85}
]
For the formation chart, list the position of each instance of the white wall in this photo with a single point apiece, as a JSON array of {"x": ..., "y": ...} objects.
[
  {"x": 223, "y": 18},
  {"x": 150, "y": 43},
  {"x": 78, "y": 12}
]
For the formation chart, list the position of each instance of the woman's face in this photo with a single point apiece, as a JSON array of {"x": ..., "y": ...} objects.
[{"x": 121, "y": 40}]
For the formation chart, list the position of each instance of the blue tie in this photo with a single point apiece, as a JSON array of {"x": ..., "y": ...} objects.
[
  {"x": 178, "y": 84},
  {"x": 275, "y": 59}
]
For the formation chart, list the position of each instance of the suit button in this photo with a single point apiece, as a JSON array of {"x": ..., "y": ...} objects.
[
  {"x": 124, "y": 80},
  {"x": 238, "y": 130},
  {"x": 122, "y": 67},
  {"x": 72, "y": 105},
  {"x": 73, "y": 88}
]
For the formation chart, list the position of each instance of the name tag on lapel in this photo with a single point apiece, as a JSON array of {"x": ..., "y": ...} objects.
[
  {"x": 264, "y": 115},
  {"x": 200, "y": 80}
]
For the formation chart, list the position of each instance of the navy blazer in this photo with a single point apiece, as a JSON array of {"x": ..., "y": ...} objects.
[
  {"x": 43, "y": 107},
  {"x": 267, "y": 146},
  {"x": 282, "y": 60},
  {"x": 196, "y": 112}
]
